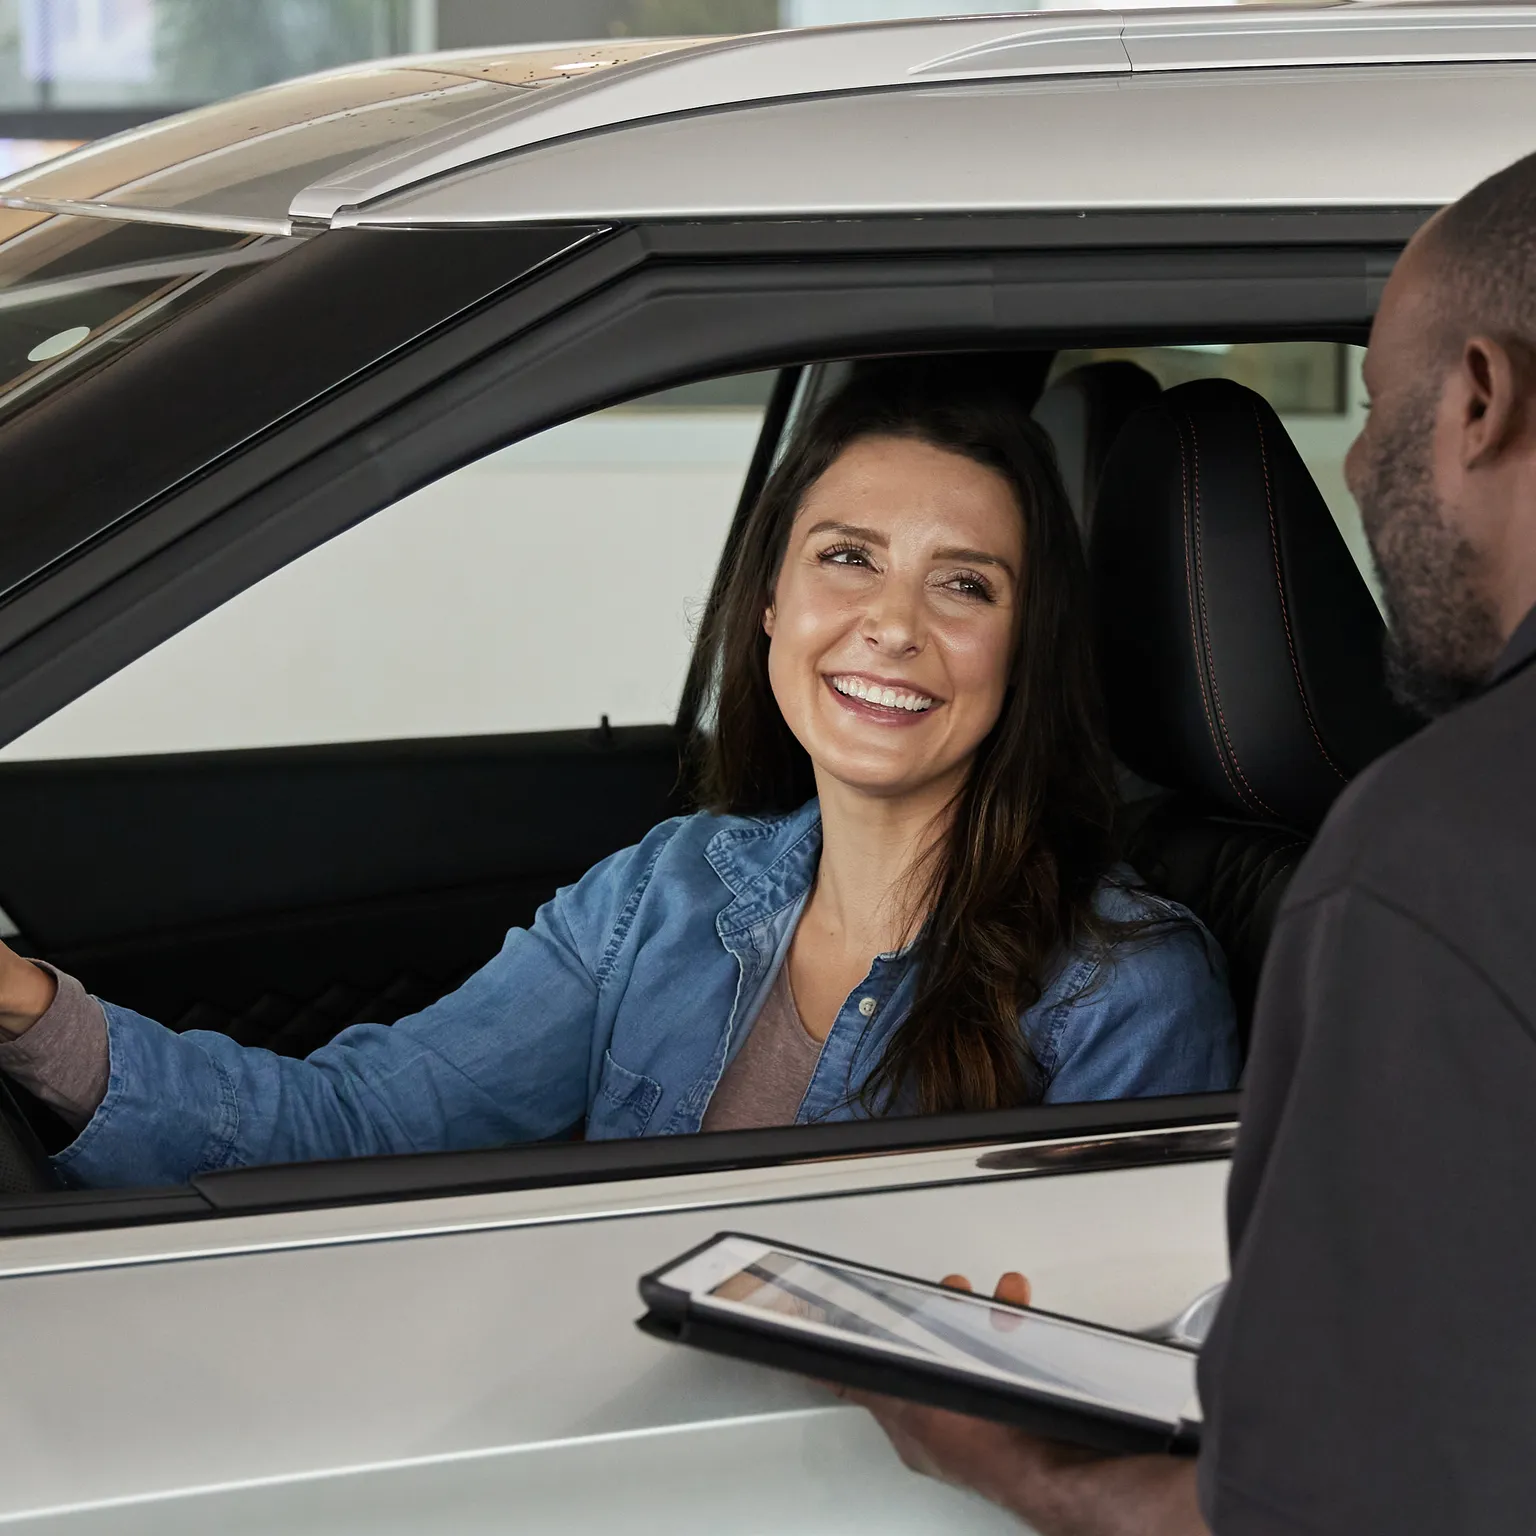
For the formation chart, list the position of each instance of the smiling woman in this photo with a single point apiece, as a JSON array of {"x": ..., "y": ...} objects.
[
  {"x": 901, "y": 896},
  {"x": 904, "y": 635}
]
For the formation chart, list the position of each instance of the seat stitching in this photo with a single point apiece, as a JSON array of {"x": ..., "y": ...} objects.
[
  {"x": 1205, "y": 625},
  {"x": 1194, "y": 636},
  {"x": 1285, "y": 617}
]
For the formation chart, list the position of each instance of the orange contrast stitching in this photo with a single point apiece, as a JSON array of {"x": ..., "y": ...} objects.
[
  {"x": 1194, "y": 633},
  {"x": 1285, "y": 617},
  {"x": 1205, "y": 626}
]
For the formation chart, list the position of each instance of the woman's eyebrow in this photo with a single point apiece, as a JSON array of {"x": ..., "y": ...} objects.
[
  {"x": 975, "y": 556},
  {"x": 870, "y": 535}
]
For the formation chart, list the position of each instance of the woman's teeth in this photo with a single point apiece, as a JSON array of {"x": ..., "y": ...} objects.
[{"x": 873, "y": 693}]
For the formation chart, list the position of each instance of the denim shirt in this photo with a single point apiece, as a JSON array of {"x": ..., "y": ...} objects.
[{"x": 621, "y": 1007}]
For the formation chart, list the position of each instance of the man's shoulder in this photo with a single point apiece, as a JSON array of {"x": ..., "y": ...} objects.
[{"x": 1447, "y": 815}]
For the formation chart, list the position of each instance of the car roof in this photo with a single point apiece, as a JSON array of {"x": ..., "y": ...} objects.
[{"x": 684, "y": 127}]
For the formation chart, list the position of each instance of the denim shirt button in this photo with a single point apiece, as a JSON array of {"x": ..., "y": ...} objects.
[{"x": 867, "y": 1006}]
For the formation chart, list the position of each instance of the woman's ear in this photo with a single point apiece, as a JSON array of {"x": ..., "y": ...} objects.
[{"x": 768, "y": 621}]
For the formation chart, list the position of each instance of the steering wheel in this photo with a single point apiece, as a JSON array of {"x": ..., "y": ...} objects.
[{"x": 24, "y": 1165}]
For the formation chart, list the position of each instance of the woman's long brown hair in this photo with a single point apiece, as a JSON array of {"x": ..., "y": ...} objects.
[{"x": 1014, "y": 878}]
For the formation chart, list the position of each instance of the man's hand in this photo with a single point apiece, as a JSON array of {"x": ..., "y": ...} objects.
[
  {"x": 1059, "y": 1489},
  {"x": 26, "y": 991}
]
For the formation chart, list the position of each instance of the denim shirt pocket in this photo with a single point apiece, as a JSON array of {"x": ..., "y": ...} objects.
[{"x": 625, "y": 1101}]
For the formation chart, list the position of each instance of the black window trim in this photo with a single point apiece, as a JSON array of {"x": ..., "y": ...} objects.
[
  {"x": 640, "y": 310},
  {"x": 671, "y": 304},
  {"x": 1149, "y": 1132}
]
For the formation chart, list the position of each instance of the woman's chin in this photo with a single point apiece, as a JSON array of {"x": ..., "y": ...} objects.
[{"x": 883, "y": 781}]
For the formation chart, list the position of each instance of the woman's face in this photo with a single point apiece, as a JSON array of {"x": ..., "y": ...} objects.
[{"x": 893, "y": 620}]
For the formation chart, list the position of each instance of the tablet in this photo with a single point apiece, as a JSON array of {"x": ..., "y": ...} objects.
[{"x": 862, "y": 1327}]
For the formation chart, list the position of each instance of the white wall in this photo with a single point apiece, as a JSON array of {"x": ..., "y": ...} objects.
[{"x": 550, "y": 584}]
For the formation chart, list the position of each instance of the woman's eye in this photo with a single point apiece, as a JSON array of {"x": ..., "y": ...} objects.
[
  {"x": 845, "y": 554},
  {"x": 968, "y": 584}
]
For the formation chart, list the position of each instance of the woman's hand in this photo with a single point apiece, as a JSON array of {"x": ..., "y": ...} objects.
[{"x": 26, "y": 992}]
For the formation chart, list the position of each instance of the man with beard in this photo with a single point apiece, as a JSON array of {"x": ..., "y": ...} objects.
[{"x": 1373, "y": 1366}]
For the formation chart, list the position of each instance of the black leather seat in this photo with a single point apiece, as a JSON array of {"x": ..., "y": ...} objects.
[
  {"x": 1241, "y": 656},
  {"x": 1082, "y": 414}
]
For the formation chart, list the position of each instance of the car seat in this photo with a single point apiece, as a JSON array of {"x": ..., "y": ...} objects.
[
  {"x": 1082, "y": 413},
  {"x": 1241, "y": 654}
]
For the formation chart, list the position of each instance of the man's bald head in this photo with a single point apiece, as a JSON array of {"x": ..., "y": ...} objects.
[{"x": 1480, "y": 257}]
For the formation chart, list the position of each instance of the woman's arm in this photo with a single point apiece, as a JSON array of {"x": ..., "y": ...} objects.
[
  {"x": 60, "y": 1053},
  {"x": 507, "y": 1057}
]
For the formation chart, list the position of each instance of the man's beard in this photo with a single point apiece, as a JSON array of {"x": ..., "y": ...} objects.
[{"x": 1442, "y": 636}]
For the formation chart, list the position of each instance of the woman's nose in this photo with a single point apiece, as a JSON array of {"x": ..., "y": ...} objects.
[{"x": 893, "y": 621}]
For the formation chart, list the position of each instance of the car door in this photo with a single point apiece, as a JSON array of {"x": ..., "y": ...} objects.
[
  {"x": 447, "y": 1339},
  {"x": 472, "y": 1364},
  {"x": 396, "y": 746}
]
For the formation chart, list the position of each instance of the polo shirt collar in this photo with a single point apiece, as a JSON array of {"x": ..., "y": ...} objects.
[{"x": 1518, "y": 653}]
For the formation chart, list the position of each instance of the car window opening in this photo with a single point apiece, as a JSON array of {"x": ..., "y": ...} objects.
[{"x": 1178, "y": 832}]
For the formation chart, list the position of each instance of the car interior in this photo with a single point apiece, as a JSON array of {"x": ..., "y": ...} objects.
[{"x": 279, "y": 894}]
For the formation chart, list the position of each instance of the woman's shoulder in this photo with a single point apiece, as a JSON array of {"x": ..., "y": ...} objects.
[
  {"x": 1140, "y": 1008},
  {"x": 1124, "y": 897},
  {"x": 1148, "y": 941}
]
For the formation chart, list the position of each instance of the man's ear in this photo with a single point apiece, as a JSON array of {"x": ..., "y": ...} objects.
[{"x": 1491, "y": 386}]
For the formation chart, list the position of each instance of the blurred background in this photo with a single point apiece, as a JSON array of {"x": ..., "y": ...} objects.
[{"x": 72, "y": 70}]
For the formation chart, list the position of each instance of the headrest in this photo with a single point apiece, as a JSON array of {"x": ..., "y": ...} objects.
[
  {"x": 1082, "y": 414},
  {"x": 1241, "y": 649}
]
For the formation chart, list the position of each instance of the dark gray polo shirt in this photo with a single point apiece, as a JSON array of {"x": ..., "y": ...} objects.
[{"x": 1373, "y": 1366}]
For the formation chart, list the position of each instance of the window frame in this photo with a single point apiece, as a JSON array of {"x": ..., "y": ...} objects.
[{"x": 628, "y": 313}]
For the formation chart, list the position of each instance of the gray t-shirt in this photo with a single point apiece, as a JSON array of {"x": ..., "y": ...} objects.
[
  {"x": 767, "y": 1081},
  {"x": 1372, "y": 1369},
  {"x": 63, "y": 1058}
]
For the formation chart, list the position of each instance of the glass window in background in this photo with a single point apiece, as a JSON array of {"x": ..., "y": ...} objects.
[
  {"x": 163, "y": 54},
  {"x": 1314, "y": 386},
  {"x": 60, "y": 54},
  {"x": 18, "y": 154}
]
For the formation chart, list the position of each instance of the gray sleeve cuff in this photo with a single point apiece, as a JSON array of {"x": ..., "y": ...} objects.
[{"x": 63, "y": 1058}]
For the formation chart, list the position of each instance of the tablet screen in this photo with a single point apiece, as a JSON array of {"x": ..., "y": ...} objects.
[{"x": 1050, "y": 1355}]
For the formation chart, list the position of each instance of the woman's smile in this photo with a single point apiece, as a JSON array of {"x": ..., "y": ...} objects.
[{"x": 882, "y": 700}]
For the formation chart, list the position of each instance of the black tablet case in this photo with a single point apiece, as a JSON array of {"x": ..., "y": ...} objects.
[{"x": 866, "y": 1368}]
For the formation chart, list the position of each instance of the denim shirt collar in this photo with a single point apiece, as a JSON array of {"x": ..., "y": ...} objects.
[{"x": 766, "y": 864}]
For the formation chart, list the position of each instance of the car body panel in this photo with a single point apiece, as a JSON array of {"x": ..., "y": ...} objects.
[
  {"x": 1224, "y": 139},
  {"x": 303, "y": 152},
  {"x": 396, "y": 1348},
  {"x": 899, "y": 56}
]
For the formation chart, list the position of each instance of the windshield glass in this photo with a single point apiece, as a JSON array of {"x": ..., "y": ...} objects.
[
  {"x": 245, "y": 159},
  {"x": 74, "y": 292}
]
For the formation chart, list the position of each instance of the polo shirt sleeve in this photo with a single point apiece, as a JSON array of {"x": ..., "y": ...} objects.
[{"x": 1373, "y": 1368}]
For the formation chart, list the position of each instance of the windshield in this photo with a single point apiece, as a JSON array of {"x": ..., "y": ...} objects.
[
  {"x": 74, "y": 292},
  {"x": 241, "y": 162}
]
